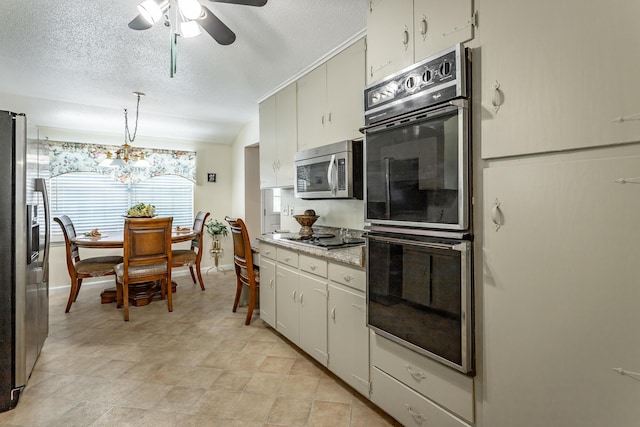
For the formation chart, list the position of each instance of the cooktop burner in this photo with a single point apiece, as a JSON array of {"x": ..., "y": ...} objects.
[{"x": 326, "y": 241}]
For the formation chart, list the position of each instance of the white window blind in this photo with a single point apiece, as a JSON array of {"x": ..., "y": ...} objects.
[{"x": 93, "y": 201}]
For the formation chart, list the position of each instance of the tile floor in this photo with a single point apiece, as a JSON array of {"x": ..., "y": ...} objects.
[{"x": 197, "y": 366}]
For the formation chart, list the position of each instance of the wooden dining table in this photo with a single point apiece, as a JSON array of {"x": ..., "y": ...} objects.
[{"x": 141, "y": 293}]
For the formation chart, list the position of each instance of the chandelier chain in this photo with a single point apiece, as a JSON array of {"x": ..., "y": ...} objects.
[{"x": 127, "y": 134}]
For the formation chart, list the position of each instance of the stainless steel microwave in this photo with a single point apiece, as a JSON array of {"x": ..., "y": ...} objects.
[{"x": 329, "y": 172}]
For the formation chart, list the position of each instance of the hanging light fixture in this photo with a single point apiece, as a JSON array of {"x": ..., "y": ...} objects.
[
  {"x": 127, "y": 153},
  {"x": 186, "y": 18}
]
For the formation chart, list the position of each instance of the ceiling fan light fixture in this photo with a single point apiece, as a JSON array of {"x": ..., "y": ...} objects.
[
  {"x": 190, "y": 29},
  {"x": 152, "y": 11},
  {"x": 190, "y": 9}
]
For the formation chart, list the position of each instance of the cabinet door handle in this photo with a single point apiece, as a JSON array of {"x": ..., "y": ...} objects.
[
  {"x": 347, "y": 278},
  {"x": 329, "y": 117},
  {"x": 287, "y": 258},
  {"x": 301, "y": 298},
  {"x": 313, "y": 267},
  {"x": 322, "y": 120},
  {"x": 417, "y": 375},
  {"x": 405, "y": 38},
  {"x": 497, "y": 217},
  {"x": 423, "y": 27},
  {"x": 415, "y": 415},
  {"x": 333, "y": 313},
  {"x": 293, "y": 294},
  {"x": 271, "y": 283}
]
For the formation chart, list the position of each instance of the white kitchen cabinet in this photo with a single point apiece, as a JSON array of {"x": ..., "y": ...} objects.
[
  {"x": 287, "y": 297},
  {"x": 389, "y": 38},
  {"x": 312, "y": 104},
  {"x": 268, "y": 291},
  {"x": 450, "y": 389},
  {"x": 278, "y": 139},
  {"x": 407, "y": 406},
  {"x": 348, "y": 332},
  {"x": 330, "y": 99},
  {"x": 563, "y": 88},
  {"x": 402, "y": 32},
  {"x": 440, "y": 24},
  {"x": 313, "y": 316},
  {"x": 301, "y": 301},
  {"x": 560, "y": 291}
]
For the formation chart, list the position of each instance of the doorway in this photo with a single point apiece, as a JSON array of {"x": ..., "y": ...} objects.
[{"x": 271, "y": 209}]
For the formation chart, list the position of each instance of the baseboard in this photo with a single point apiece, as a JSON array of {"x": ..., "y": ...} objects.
[{"x": 105, "y": 281}]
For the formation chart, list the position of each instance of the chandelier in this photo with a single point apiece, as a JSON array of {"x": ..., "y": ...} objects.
[{"x": 127, "y": 153}]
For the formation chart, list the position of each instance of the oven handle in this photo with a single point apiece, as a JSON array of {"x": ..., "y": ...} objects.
[
  {"x": 454, "y": 104},
  {"x": 460, "y": 247}
]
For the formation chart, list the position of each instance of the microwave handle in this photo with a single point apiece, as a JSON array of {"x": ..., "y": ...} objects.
[{"x": 331, "y": 178}]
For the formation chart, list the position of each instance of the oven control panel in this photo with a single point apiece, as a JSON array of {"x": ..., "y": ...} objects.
[{"x": 437, "y": 79}]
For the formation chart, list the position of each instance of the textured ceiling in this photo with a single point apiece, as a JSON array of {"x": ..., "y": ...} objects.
[{"x": 73, "y": 64}]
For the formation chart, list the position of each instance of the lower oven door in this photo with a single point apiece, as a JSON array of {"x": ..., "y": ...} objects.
[{"x": 419, "y": 294}]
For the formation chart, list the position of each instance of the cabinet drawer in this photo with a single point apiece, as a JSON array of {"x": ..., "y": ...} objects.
[
  {"x": 267, "y": 250},
  {"x": 287, "y": 257},
  {"x": 443, "y": 385},
  {"x": 347, "y": 276},
  {"x": 407, "y": 406},
  {"x": 313, "y": 265}
]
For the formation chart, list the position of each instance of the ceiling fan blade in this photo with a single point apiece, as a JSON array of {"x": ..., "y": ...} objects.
[
  {"x": 139, "y": 23},
  {"x": 257, "y": 3},
  {"x": 216, "y": 28}
]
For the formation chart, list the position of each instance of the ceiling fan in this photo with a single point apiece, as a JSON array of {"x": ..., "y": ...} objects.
[{"x": 190, "y": 16}]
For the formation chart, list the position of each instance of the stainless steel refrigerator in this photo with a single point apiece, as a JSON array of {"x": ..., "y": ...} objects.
[{"x": 24, "y": 255}]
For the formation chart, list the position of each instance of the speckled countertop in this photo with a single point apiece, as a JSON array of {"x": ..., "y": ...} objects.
[{"x": 354, "y": 255}]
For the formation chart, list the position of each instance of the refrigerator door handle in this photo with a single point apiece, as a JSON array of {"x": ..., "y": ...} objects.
[{"x": 41, "y": 186}]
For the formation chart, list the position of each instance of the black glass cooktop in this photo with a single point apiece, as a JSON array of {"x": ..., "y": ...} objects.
[{"x": 326, "y": 241}]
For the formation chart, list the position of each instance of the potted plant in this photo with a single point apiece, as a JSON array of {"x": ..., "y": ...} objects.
[{"x": 215, "y": 229}]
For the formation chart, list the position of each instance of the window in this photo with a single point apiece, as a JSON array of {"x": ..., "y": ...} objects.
[
  {"x": 93, "y": 200},
  {"x": 277, "y": 198}
]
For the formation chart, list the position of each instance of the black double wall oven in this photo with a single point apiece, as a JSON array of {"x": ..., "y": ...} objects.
[{"x": 418, "y": 203}]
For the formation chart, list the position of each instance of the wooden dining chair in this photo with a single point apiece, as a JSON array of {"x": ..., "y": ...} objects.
[
  {"x": 82, "y": 268},
  {"x": 192, "y": 257},
  {"x": 247, "y": 274},
  {"x": 147, "y": 258}
]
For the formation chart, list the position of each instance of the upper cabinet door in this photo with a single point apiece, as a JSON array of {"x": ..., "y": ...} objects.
[
  {"x": 389, "y": 37},
  {"x": 286, "y": 120},
  {"x": 439, "y": 24},
  {"x": 558, "y": 75},
  {"x": 312, "y": 104},
  {"x": 345, "y": 88}
]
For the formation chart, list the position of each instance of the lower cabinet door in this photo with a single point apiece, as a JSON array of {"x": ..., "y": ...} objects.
[
  {"x": 287, "y": 296},
  {"x": 313, "y": 317},
  {"x": 349, "y": 337},
  {"x": 268, "y": 292},
  {"x": 407, "y": 406}
]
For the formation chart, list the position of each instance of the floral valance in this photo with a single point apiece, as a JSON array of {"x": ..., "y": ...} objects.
[{"x": 65, "y": 157}]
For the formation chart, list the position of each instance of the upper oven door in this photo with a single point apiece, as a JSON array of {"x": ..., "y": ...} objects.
[{"x": 417, "y": 169}]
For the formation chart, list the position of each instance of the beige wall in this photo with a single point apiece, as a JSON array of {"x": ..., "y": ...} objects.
[{"x": 246, "y": 196}]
